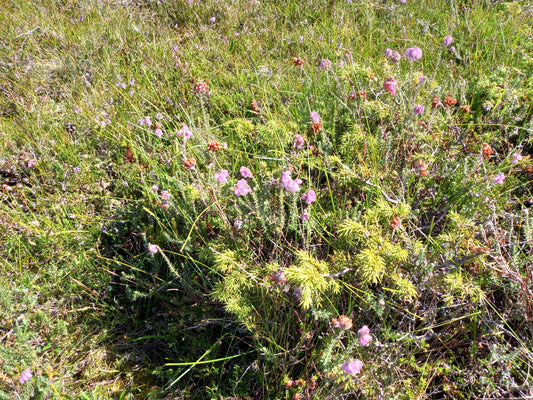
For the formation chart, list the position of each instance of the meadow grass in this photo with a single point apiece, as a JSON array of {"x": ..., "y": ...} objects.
[{"x": 133, "y": 268}]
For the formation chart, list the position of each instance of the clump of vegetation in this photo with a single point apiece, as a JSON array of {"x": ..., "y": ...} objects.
[{"x": 265, "y": 199}]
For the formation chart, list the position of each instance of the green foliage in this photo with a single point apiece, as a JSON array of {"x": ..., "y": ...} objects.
[{"x": 129, "y": 271}]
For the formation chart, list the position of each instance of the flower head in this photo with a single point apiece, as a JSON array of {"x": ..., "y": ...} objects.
[
  {"x": 245, "y": 172},
  {"x": 447, "y": 41},
  {"x": 152, "y": 248},
  {"x": 222, "y": 176},
  {"x": 343, "y": 322},
  {"x": 517, "y": 157},
  {"x": 418, "y": 110},
  {"x": 352, "y": 367},
  {"x": 499, "y": 178},
  {"x": 390, "y": 86},
  {"x": 298, "y": 141},
  {"x": 364, "y": 330},
  {"x": 289, "y": 184},
  {"x": 212, "y": 20},
  {"x": 184, "y": 131},
  {"x": 297, "y": 61},
  {"x": 25, "y": 376},
  {"x": 165, "y": 195},
  {"x": 395, "y": 57},
  {"x": 201, "y": 88},
  {"x": 365, "y": 340},
  {"x": 413, "y": 53},
  {"x": 309, "y": 197},
  {"x": 242, "y": 188},
  {"x": 325, "y": 64},
  {"x": 31, "y": 163},
  {"x": 315, "y": 117},
  {"x": 158, "y": 132}
]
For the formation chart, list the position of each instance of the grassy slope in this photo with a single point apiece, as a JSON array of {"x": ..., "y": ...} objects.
[{"x": 63, "y": 313}]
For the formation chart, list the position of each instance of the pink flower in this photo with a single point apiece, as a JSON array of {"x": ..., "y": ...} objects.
[
  {"x": 185, "y": 132},
  {"x": 242, "y": 188},
  {"x": 418, "y": 110},
  {"x": 245, "y": 172},
  {"x": 413, "y": 53},
  {"x": 158, "y": 132},
  {"x": 315, "y": 117},
  {"x": 517, "y": 157},
  {"x": 309, "y": 197},
  {"x": 165, "y": 195},
  {"x": 212, "y": 20},
  {"x": 447, "y": 41},
  {"x": 304, "y": 216},
  {"x": 289, "y": 184},
  {"x": 421, "y": 79},
  {"x": 31, "y": 163},
  {"x": 146, "y": 121},
  {"x": 499, "y": 178},
  {"x": 222, "y": 176},
  {"x": 25, "y": 376},
  {"x": 298, "y": 141},
  {"x": 390, "y": 86},
  {"x": 352, "y": 367},
  {"x": 155, "y": 188},
  {"x": 152, "y": 248},
  {"x": 388, "y": 53},
  {"x": 365, "y": 340},
  {"x": 364, "y": 330}
]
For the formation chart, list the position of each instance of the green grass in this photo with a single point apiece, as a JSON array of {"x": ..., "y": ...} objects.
[{"x": 409, "y": 234}]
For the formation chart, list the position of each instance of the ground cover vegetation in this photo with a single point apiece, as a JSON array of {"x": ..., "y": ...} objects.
[{"x": 266, "y": 199}]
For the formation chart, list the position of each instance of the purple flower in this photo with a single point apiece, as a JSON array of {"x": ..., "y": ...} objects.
[
  {"x": 289, "y": 184},
  {"x": 390, "y": 86},
  {"x": 315, "y": 117},
  {"x": 222, "y": 176},
  {"x": 76, "y": 170},
  {"x": 301, "y": 39},
  {"x": 242, "y": 188},
  {"x": 418, "y": 110},
  {"x": 185, "y": 132},
  {"x": 25, "y": 376},
  {"x": 325, "y": 64},
  {"x": 413, "y": 53},
  {"x": 298, "y": 141},
  {"x": 421, "y": 79},
  {"x": 212, "y": 20},
  {"x": 304, "y": 216},
  {"x": 146, "y": 121},
  {"x": 245, "y": 172},
  {"x": 309, "y": 197},
  {"x": 517, "y": 157},
  {"x": 158, "y": 132},
  {"x": 388, "y": 53},
  {"x": 152, "y": 248},
  {"x": 447, "y": 41},
  {"x": 352, "y": 367},
  {"x": 499, "y": 178},
  {"x": 395, "y": 57}
]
